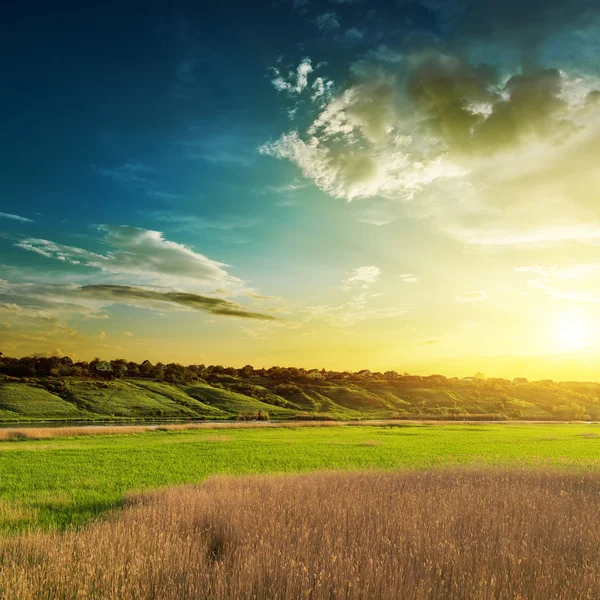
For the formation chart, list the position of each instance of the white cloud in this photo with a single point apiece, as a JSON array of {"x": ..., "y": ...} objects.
[
  {"x": 474, "y": 296},
  {"x": 4, "y": 215},
  {"x": 486, "y": 160},
  {"x": 352, "y": 150},
  {"x": 408, "y": 278},
  {"x": 363, "y": 277},
  {"x": 322, "y": 90},
  {"x": 142, "y": 256},
  {"x": 296, "y": 81}
]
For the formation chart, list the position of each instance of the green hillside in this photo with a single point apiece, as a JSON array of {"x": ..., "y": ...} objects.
[
  {"x": 29, "y": 401},
  {"x": 229, "y": 396}
]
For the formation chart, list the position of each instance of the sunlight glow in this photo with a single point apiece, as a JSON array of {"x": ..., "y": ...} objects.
[{"x": 572, "y": 331}]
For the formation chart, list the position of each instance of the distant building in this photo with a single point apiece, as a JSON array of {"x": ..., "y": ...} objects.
[
  {"x": 391, "y": 374},
  {"x": 314, "y": 374},
  {"x": 467, "y": 379},
  {"x": 519, "y": 381},
  {"x": 66, "y": 361}
]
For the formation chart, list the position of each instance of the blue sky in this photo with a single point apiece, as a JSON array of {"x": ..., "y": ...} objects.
[{"x": 358, "y": 184}]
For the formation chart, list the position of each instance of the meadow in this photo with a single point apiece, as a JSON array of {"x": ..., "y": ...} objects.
[{"x": 63, "y": 482}]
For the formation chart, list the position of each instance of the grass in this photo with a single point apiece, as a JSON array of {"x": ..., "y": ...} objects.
[
  {"x": 21, "y": 400},
  {"x": 63, "y": 482},
  {"x": 84, "y": 398},
  {"x": 440, "y": 535}
]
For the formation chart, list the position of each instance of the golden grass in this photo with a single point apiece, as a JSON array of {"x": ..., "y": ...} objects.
[
  {"x": 43, "y": 433},
  {"x": 431, "y": 535}
]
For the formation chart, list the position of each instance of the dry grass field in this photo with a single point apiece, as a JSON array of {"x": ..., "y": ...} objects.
[{"x": 443, "y": 534}]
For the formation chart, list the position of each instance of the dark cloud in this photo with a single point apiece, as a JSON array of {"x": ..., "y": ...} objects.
[
  {"x": 471, "y": 110},
  {"x": 129, "y": 294}
]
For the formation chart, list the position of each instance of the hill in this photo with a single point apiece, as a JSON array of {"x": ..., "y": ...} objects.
[{"x": 226, "y": 396}]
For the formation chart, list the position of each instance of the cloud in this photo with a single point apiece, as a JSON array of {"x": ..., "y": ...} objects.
[
  {"x": 128, "y": 334},
  {"x": 351, "y": 150},
  {"x": 357, "y": 309},
  {"x": 383, "y": 53},
  {"x": 328, "y": 22},
  {"x": 138, "y": 296},
  {"x": 140, "y": 253},
  {"x": 353, "y": 35},
  {"x": 198, "y": 223},
  {"x": 136, "y": 173},
  {"x": 363, "y": 277},
  {"x": 300, "y": 5},
  {"x": 488, "y": 155},
  {"x": 577, "y": 282},
  {"x": 469, "y": 108},
  {"x": 222, "y": 149},
  {"x": 296, "y": 81},
  {"x": 475, "y": 296},
  {"x": 4, "y": 215},
  {"x": 408, "y": 278}
]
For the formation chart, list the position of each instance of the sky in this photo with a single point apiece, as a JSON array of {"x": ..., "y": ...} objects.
[{"x": 347, "y": 184}]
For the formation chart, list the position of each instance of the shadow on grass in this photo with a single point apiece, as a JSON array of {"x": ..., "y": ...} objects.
[{"x": 59, "y": 515}]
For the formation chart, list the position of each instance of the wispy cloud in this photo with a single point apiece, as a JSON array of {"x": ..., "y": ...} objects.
[
  {"x": 4, "y": 215},
  {"x": 359, "y": 308},
  {"x": 408, "y": 278},
  {"x": 219, "y": 149},
  {"x": 474, "y": 296},
  {"x": 145, "y": 297},
  {"x": 295, "y": 81},
  {"x": 142, "y": 254},
  {"x": 363, "y": 277},
  {"x": 135, "y": 173},
  {"x": 198, "y": 223},
  {"x": 576, "y": 282}
]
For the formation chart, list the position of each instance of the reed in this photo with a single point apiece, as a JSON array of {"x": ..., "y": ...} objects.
[{"x": 447, "y": 534}]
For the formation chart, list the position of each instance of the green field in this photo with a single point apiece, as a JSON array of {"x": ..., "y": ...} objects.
[{"x": 67, "y": 481}]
